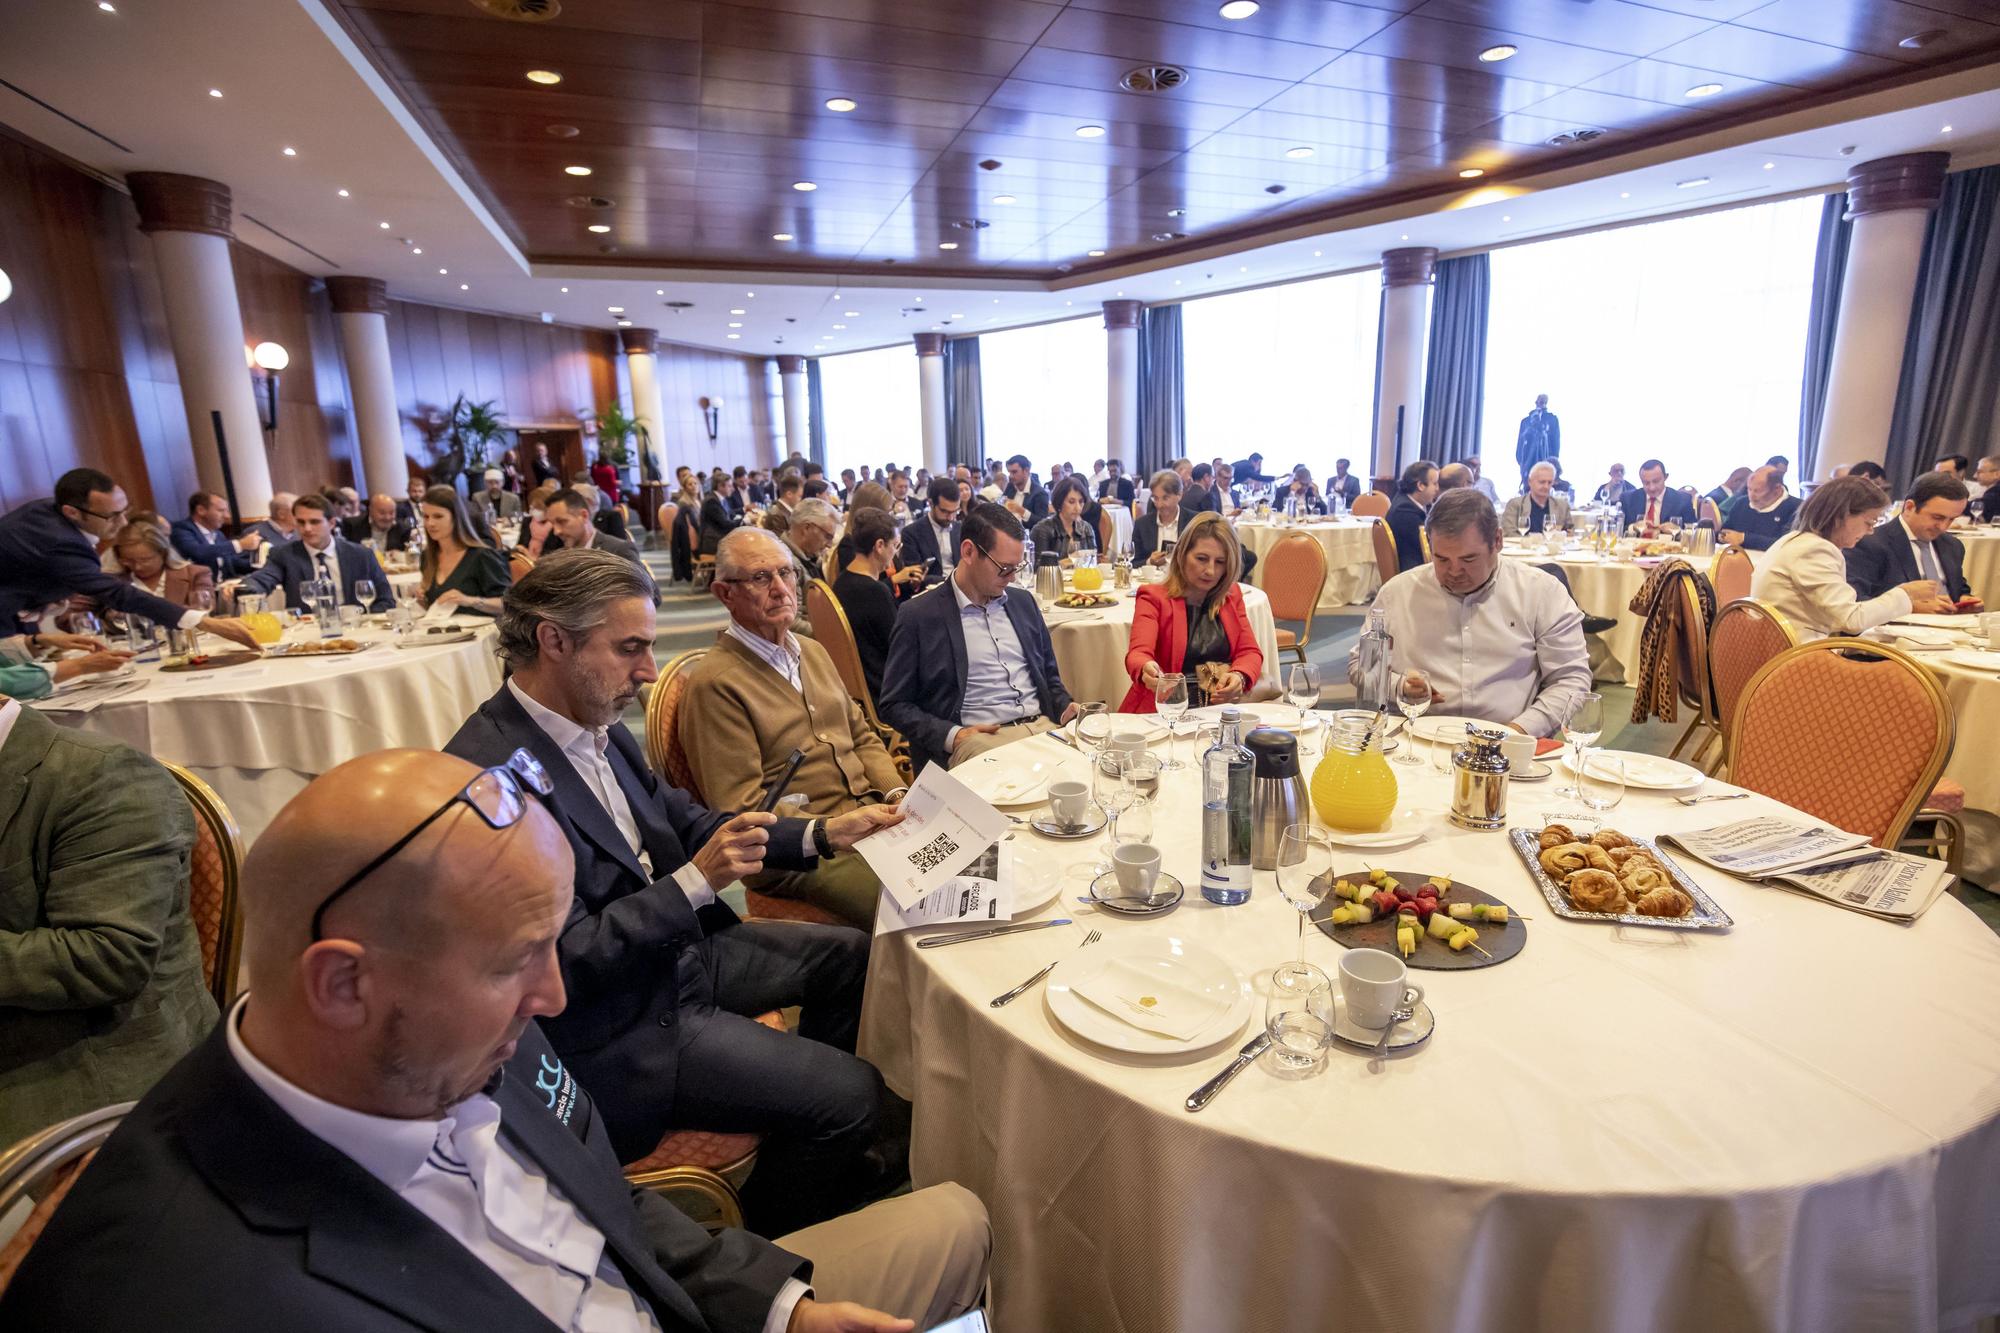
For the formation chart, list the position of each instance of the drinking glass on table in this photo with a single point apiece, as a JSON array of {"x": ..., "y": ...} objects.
[
  {"x": 1170, "y": 696},
  {"x": 1413, "y": 697},
  {"x": 1112, "y": 794},
  {"x": 1299, "y": 1017},
  {"x": 1442, "y": 748},
  {"x": 1601, "y": 781},
  {"x": 1302, "y": 688},
  {"x": 1304, "y": 867},
  {"x": 1585, "y": 725},
  {"x": 1142, "y": 782},
  {"x": 1091, "y": 726},
  {"x": 364, "y": 593}
]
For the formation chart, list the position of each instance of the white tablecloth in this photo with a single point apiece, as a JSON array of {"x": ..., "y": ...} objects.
[
  {"x": 1090, "y": 647},
  {"x": 1794, "y": 1124},
  {"x": 1975, "y": 703},
  {"x": 1982, "y": 562},
  {"x": 1604, "y": 588},
  {"x": 1351, "y": 573},
  {"x": 258, "y": 733}
]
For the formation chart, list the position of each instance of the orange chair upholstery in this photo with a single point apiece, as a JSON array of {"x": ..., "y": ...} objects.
[
  {"x": 214, "y": 871},
  {"x": 42, "y": 1168},
  {"x": 708, "y": 1166},
  {"x": 1294, "y": 577},
  {"x": 1107, "y": 528},
  {"x": 1372, "y": 504},
  {"x": 1730, "y": 572},
  {"x": 663, "y": 710},
  {"x": 518, "y": 565},
  {"x": 1746, "y": 635},
  {"x": 1387, "y": 562}
]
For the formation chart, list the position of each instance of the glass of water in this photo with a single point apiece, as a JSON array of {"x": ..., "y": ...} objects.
[
  {"x": 1585, "y": 725},
  {"x": 1170, "y": 696},
  {"x": 364, "y": 593},
  {"x": 1299, "y": 1016},
  {"x": 1601, "y": 781},
  {"x": 1413, "y": 697}
]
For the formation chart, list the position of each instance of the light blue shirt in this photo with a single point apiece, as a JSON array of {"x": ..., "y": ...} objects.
[
  {"x": 998, "y": 687},
  {"x": 1484, "y": 485}
]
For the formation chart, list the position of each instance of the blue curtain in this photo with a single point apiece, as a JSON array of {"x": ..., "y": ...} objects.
[
  {"x": 964, "y": 405},
  {"x": 815, "y": 414},
  {"x": 1162, "y": 390},
  {"x": 1829, "y": 271},
  {"x": 1455, "y": 366}
]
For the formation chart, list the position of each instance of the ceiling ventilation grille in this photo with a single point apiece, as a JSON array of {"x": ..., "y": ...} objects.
[
  {"x": 520, "y": 11},
  {"x": 590, "y": 201},
  {"x": 1153, "y": 79},
  {"x": 1575, "y": 136}
]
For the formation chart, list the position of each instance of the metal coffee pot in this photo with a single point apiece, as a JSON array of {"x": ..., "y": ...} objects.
[
  {"x": 1048, "y": 576},
  {"x": 1277, "y": 793}
]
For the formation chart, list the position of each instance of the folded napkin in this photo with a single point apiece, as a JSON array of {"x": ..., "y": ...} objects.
[
  {"x": 1955, "y": 622},
  {"x": 1918, "y": 636},
  {"x": 1547, "y": 745},
  {"x": 1002, "y": 781},
  {"x": 1145, "y": 994}
]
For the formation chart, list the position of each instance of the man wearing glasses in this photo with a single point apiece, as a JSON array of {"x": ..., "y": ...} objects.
[
  {"x": 48, "y": 553},
  {"x": 664, "y": 980},
  {"x": 970, "y": 664}
]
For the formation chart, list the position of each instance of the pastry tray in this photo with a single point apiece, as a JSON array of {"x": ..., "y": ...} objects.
[{"x": 1706, "y": 915}]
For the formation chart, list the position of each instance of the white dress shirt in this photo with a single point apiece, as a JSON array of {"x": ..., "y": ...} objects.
[
  {"x": 9, "y": 711},
  {"x": 1804, "y": 578},
  {"x": 998, "y": 686},
  {"x": 1512, "y": 651}
]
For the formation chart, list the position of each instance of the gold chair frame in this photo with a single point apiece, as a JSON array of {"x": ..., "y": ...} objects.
[
  {"x": 1369, "y": 504},
  {"x": 29, "y": 1164},
  {"x": 1742, "y": 606},
  {"x": 1692, "y": 653},
  {"x": 822, "y": 602},
  {"x": 211, "y": 810},
  {"x": 1297, "y": 541},
  {"x": 659, "y": 740},
  {"x": 721, "y": 1190}
]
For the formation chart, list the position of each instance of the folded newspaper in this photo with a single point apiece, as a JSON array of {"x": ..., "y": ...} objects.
[{"x": 1845, "y": 869}]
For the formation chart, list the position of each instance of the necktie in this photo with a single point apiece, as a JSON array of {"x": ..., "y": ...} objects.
[
  {"x": 1927, "y": 564},
  {"x": 1652, "y": 513},
  {"x": 326, "y": 575}
]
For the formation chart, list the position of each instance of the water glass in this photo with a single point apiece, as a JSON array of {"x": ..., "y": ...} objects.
[
  {"x": 1304, "y": 864},
  {"x": 1299, "y": 1017},
  {"x": 1585, "y": 725},
  {"x": 1110, "y": 791},
  {"x": 1601, "y": 781},
  {"x": 1989, "y": 629},
  {"x": 1092, "y": 724},
  {"x": 1170, "y": 696},
  {"x": 364, "y": 592},
  {"x": 1302, "y": 688},
  {"x": 1441, "y": 750},
  {"x": 1413, "y": 697}
]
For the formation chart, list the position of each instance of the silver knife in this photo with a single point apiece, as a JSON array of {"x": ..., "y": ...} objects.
[
  {"x": 1253, "y": 1048},
  {"x": 939, "y": 941}
]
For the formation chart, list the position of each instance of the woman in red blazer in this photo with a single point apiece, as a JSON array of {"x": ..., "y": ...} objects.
[{"x": 1196, "y": 615}]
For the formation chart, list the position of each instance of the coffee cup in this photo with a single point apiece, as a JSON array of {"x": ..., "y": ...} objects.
[
  {"x": 1520, "y": 752},
  {"x": 1137, "y": 866},
  {"x": 1127, "y": 742},
  {"x": 1069, "y": 801},
  {"x": 1375, "y": 985}
]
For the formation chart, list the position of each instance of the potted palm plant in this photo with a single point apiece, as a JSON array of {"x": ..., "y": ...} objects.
[
  {"x": 474, "y": 428},
  {"x": 617, "y": 431}
]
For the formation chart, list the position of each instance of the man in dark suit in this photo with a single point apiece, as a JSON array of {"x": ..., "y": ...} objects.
[
  {"x": 1156, "y": 530},
  {"x": 1248, "y": 470},
  {"x": 385, "y": 1139},
  {"x": 380, "y": 529},
  {"x": 1655, "y": 503},
  {"x": 1026, "y": 498},
  {"x": 1343, "y": 483},
  {"x": 1198, "y": 494},
  {"x": 1916, "y": 544},
  {"x": 410, "y": 509},
  {"x": 318, "y": 554},
  {"x": 48, "y": 552},
  {"x": 718, "y": 518},
  {"x": 198, "y": 538},
  {"x": 932, "y": 538},
  {"x": 276, "y": 525},
  {"x": 664, "y": 981},
  {"x": 1986, "y": 508},
  {"x": 1116, "y": 485},
  {"x": 1540, "y": 437},
  {"x": 970, "y": 665},
  {"x": 569, "y": 514},
  {"x": 1415, "y": 490}
]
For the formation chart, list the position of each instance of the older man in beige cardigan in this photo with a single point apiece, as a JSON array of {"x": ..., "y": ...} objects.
[{"x": 762, "y": 692}]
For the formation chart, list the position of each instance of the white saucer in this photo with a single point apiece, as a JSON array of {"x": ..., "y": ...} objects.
[
  {"x": 1002, "y": 777},
  {"x": 1405, "y": 827},
  {"x": 1646, "y": 772},
  {"x": 1412, "y": 1031}
]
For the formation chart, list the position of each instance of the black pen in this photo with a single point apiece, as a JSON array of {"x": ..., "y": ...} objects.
[{"x": 772, "y": 797}]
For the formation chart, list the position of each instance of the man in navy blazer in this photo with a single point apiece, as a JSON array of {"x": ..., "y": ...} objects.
[
  {"x": 1655, "y": 503},
  {"x": 298, "y": 563},
  {"x": 970, "y": 665},
  {"x": 1917, "y": 543},
  {"x": 664, "y": 982},
  {"x": 199, "y": 538},
  {"x": 933, "y": 535}
]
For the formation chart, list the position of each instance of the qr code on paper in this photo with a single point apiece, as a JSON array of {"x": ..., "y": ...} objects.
[{"x": 933, "y": 853}]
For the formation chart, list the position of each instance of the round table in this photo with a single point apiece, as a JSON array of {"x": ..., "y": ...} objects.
[
  {"x": 1982, "y": 562},
  {"x": 1090, "y": 646},
  {"x": 1351, "y": 573},
  {"x": 1795, "y": 1123},
  {"x": 1603, "y": 588},
  {"x": 258, "y": 733}
]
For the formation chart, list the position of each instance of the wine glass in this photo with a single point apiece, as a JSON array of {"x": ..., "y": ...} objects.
[
  {"x": 1442, "y": 747},
  {"x": 1170, "y": 696},
  {"x": 1601, "y": 782},
  {"x": 1585, "y": 725},
  {"x": 1299, "y": 1017},
  {"x": 1091, "y": 725},
  {"x": 1112, "y": 794},
  {"x": 364, "y": 593},
  {"x": 1302, "y": 688},
  {"x": 1303, "y": 864},
  {"x": 1142, "y": 782},
  {"x": 1413, "y": 697}
]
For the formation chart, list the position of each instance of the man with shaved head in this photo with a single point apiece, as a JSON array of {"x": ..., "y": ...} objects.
[{"x": 379, "y": 1137}]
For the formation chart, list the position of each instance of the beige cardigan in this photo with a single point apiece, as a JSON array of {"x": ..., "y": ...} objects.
[{"x": 1805, "y": 578}]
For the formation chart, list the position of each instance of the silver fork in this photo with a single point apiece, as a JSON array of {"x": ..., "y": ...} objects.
[
  {"x": 1713, "y": 796},
  {"x": 1022, "y": 989}
]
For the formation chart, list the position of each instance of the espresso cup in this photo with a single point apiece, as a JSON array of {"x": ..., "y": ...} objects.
[
  {"x": 1375, "y": 985},
  {"x": 1127, "y": 742},
  {"x": 1520, "y": 752},
  {"x": 1137, "y": 866},
  {"x": 1069, "y": 801}
]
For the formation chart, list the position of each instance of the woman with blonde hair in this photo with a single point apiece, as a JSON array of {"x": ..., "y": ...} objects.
[
  {"x": 1195, "y": 616},
  {"x": 148, "y": 561},
  {"x": 458, "y": 568}
]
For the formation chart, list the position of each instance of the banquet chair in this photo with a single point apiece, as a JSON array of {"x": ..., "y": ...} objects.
[
  {"x": 1107, "y": 527},
  {"x": 1294, "y": 577},
  {"x": 1747, "y": 633},
  {"x": 41, "y": 1168},
  {"x": 1855, "y": 733},
  {"x": 1730, "y": 572},
  {"x": 834, "y": 632},
  {"x": 518, "y": 565},
  {"x": 1388, "y": 563},
  {"x": 701, "y": 1172},
  {"x": 1692, "y": 680},
  {"x": 1369, "y": 504},
  {"x": 215, "y": 869}
]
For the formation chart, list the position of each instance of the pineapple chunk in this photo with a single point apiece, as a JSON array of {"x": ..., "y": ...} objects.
[
  {"x": 1442, "y": 883},
  {"x": 1495, "y": 913},
  {"x": 1363, "y": 913},
  {"x": 1443, "y": 927},
  {"x": 1462, "y": 911},
  {"x": 1406, "y": 941},
  {"x": 1343, "y": 889},
  {"x": 1463, "y": 938}
]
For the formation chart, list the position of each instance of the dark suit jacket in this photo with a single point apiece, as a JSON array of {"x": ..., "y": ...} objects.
[
  {"x": 218, "y": 553},
  {"x": 717, "y": 521},
  {"x": 1986, "y": 509},
  {"x": 1883, "y": 559},
  {"x": 604, "y": 541},
  {"x": 1199, "y": 499},
  {"x": 923, "y": 682},
  {"x": 1146, "y": 533},
  {"x": 612, "y": 524},
  {"x": 1347, "y": 487},
  {"x": 1122, "y": 485},
  {"x": 1406, "y": 523},
  {"x": 1675, "y": 507},
  {"x": 357, "y": 531},
  {"x": 627, "y": 948},
  {"x": 292, "y": 566},
  {"x": 274, "y": 1228},
  {"x": 44, "y": 558},
  {"x": 920, "y": 544},
  {"x": 1036, "y": 502}
]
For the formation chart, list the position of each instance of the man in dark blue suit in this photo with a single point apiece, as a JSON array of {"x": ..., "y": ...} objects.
[
  {"x": 664, "y": 981},
  {"x": 317, "y": 554},
  {"x": 199, "y": 538},
  {"x": 931, "y": 539},
  {"x": 48, "y": 553},
  {"x": 1916, "y": 544},
  {"x": 970, "y": 664},
  {"x": 1416, "y": 489},
  {"x": 1654, "y": 503},
  {"x": 1025, "y": 491}
]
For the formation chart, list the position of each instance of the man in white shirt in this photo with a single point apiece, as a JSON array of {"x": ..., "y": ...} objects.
[
  {"x": 380, "y": 1137},
  {"x": 1497, "y": 639}
]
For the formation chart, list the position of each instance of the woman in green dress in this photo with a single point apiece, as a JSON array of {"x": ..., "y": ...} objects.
[{"x": 459, "y": 570}]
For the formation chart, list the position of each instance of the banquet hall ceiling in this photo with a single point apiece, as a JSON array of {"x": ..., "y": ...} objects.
[{"x": 962, "y": 155}]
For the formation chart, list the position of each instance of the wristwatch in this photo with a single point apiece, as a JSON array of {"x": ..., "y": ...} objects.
[{"x": 822, "y": 844}]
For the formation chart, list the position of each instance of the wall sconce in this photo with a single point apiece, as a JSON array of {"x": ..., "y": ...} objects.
[
  {"x": 711, "y": 415},
  {"x": 269, "y": 358},
  {"x": 6, "y": 285}
]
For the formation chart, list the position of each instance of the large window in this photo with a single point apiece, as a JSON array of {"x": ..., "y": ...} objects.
[
  {"x": 1288, "y": 372},
  {"x": 873, "y": 409},
  {"x": 1681, "y": 340},
  {"x": 1043, "y": 391}
]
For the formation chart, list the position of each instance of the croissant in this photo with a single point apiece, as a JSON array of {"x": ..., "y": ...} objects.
[
  {"x": 1598, "y": 858},
  {"x": 1564, "y": 861},
  {"x": 1663, "y": 901},
  {"x": 1620, "y": 855},
  {"x": 1643, "y": 876},
  {"x": 1610, "y": 838},
  {"x": 1555, "y": 835},
  {"x": 1596, "y": 891}
]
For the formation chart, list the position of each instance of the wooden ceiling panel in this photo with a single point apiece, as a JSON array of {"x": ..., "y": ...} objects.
[
  {"x": 1475, "y": 88},
  {"x": 858, "y": 79},
  {"x": 1606, "y": 25},
  {"x": 807, "y": 107},
  {"x": 521, "y": 46},
  {"x": 1319, "y": 133},
  {"x": 1877, "y": 28},
  {"x": 810, "y": 36},
  {"x": 1182, "y": 44},
  {"x": 1327, "y": 23},
  {"x": 1006, "y": 20},
  {"x": 550, "y": 107},
  {"x": 1375, "y": 108},
  {"x": 1772, "y": 57},
  {"x": 1083, "y": 70},
  {"x": 1418, "y": 37},
  {"x": 1106, "y": 106},
  {"x": 1662, "y": 81}
]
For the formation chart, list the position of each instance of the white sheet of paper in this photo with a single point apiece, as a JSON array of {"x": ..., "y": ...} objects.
[
  {"x": 945, "y": 828},
  {"x": 982, "y": 896},
  {"x": 437, "y": 613}
]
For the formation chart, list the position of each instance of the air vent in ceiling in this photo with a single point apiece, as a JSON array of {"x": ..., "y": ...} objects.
[
  {"x": 520, "y": 11},
  {"x": 563, "y": 131},
  {"x": 1170, "y": 236},
  {"x": 1153, "y": 79},
  {"x": 680, "y": 305},
  {"x": 1575, "y": 136},
  {"x": 590, "y": 201},
  {"x": 970, "y": 224}
]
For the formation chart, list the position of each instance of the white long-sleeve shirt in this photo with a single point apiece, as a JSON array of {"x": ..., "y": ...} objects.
[
  {"x": 1805, "y": 579},
  {"x": 1512, "y": 651}
]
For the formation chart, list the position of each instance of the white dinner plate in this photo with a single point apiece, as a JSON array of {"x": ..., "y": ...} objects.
[
  {"x": 1001, "y": 777},
  {"x": 1974, "y": 658},
  {"x": 1281, "y": 716},
  {"x": 122, "y": 672},
  {"x": 1150, "y": 725},
  {"x": 1405, "y": 827},
  {"x": 1186, "y": 964},
  {"x": 1649, "y": 772},
  {"x": 1037, "y": 879},
  {"x": 1450, "y": 728}
]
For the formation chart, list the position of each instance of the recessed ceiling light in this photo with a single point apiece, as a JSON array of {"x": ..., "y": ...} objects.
[
  {"x": 576, "y": 171},
  {"x": 291, "y": 152},
  {"x": 1769, "y": 165},
  {"x": 659, "y": 291},
  {"x": 732, "y": 335},
  {"x": 615, "y": 309},
  {"x": 947, "y": 245},
  {"x": 1494, "y": 54},
  {"x": 1177, "y": 282},
  {"x": 958, "y": 316},
  {"x": 464, "y": 287},
  {"x": 1239, "y": 9},
  {"x": 840, "y": 326},
  {"x": 107, "y": 6},
  {"x": 1090, "y": 131},
  {"x": 1917, "y": 41},
  {"x": 1298, "y": 152},
  {"x": 781, "y": 236},
  {"x": 805, "y": 187},
  {"x": 1003, "y": 199},
  {"x": 546, "y": 77},
  {"x": 1690, "y": 183},
  {"x": 1947, "y": 129},
  {"x": 1406, "y": 236},
  {"x": 383, "y": 225},
  {"x": 624, "y": 323},
  {"x": 1472, "y": 173},
  {"x": 752, "y": 295},
  {"x": 599, "y": 227},
  {"x": 215, "y": 92},
  {"x": 1097, "y": 254},
  {"x": 1315, "y": 254},
  {"x": 1704, "y": 90},
  {"x": 851, "y": 314},
  {"x": 737, "y": 311},
  {"x": 840, "y": 104},
  {"x": 443, "y": 271},
  {"x": 735, "y": 323},
  {"x": 1120, "y": 293},
  {"x": 1624, "y": 194},
  {"x": 341, "y": 193}
]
